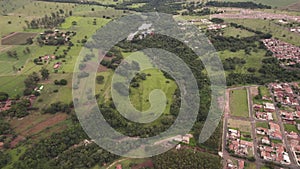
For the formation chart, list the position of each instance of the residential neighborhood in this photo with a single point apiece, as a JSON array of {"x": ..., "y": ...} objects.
[
  {"x": 285, "y": 52},
  {"x": 274, "y": 123}
]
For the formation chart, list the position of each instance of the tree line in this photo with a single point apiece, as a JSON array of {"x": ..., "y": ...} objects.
[
  {"x": 56, "y": 19},
  {"x": 250, "y": 5}
]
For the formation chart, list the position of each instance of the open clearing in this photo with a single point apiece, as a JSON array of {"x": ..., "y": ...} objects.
[
  {"x": 235, "y": 32},
  {"x": 18, "y": 38},
  {"x": 239, "y": 103},
  {"x": 53, "y": 93},
  {"x": 140, "y": 96},
  {"x": 291, "y": 128},
  {"x": 293, "y": 7},
  {"x": 269, "y": 26},
  {"x": 252, "y": 61},
  {"x": 262, "y": 124},
  {"x": 13, "y": 85},
  {"x": 244, "y": 126},
  {"x": 264, "y": 91}
]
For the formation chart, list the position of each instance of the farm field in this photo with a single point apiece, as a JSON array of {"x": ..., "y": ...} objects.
[
  {"x": 18, "y": 38},
  {"x": 243, "y": 126},
  {"x": 13, "y": 85},
  {"x": 9, "y": 64},
  {"x": 239, "y": 103}
]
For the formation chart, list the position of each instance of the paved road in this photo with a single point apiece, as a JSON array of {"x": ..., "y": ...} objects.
[
  {"x": 226, "y": 155},
  {"x": 285, "y": 141},
  {"x": 259, "y": 161}
]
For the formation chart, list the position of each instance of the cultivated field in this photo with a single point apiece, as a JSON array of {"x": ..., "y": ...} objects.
[
  {"x": 18, "y": 38},
  {"x": 239, "y": 103},
  {"x": 13, "y": 85}
]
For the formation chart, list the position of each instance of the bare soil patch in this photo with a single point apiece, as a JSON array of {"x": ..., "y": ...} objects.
[
  {"x": 254, "y": 91},
  {"x": 48, "y": 123}
]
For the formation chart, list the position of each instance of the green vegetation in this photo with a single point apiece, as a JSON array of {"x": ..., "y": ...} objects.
[
  {"x": 239, "y": 103},
  {"x": 276, "y": 141},
  {"x": 155, "y": 80},
  {"x": 264, "y": 91},
  {"x": 52, "y": 131},
  {"x": 13, "y": 85},
  {"x": 262, "y": 124},
  {"x": 186, "y": 159},
  {"x": 250, "y": 165},
  {"x": 251, "y": 5},
  {"x": 235, "y": 32},
  {"x": 291, "y": 128}
]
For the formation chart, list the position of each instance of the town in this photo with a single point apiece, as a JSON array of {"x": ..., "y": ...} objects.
[{"x": 273, "y": 126}]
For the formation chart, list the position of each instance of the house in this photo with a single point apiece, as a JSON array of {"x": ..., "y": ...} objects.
[
  {"x": 118, "y": 166},
  {"x": 178, "y": 146},
  {"x": 286, "y": 158},
  {"x": 257, "y": 107},
  {"x": 269, "y": 107},
  {"x": 261, "y": 131},
  {"x": 274, "y": 131},
  {"x": 186, "y": 139},
  {"x": 246, "y": 143},
  {"x": 57, "y": 65},
  {"x": 241, "y": 164},
  {"x": 266, "y": 140}
]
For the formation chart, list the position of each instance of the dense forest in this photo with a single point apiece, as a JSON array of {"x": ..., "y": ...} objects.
[
  {"x": 186, "y": 158},
  {"x": 64, "y": 150}
]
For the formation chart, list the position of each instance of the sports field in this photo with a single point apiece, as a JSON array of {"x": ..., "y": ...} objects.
[{"x": 239, "y": 103}]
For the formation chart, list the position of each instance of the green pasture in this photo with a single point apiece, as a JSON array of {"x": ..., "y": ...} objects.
[{"x": 239, "y": 103}]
